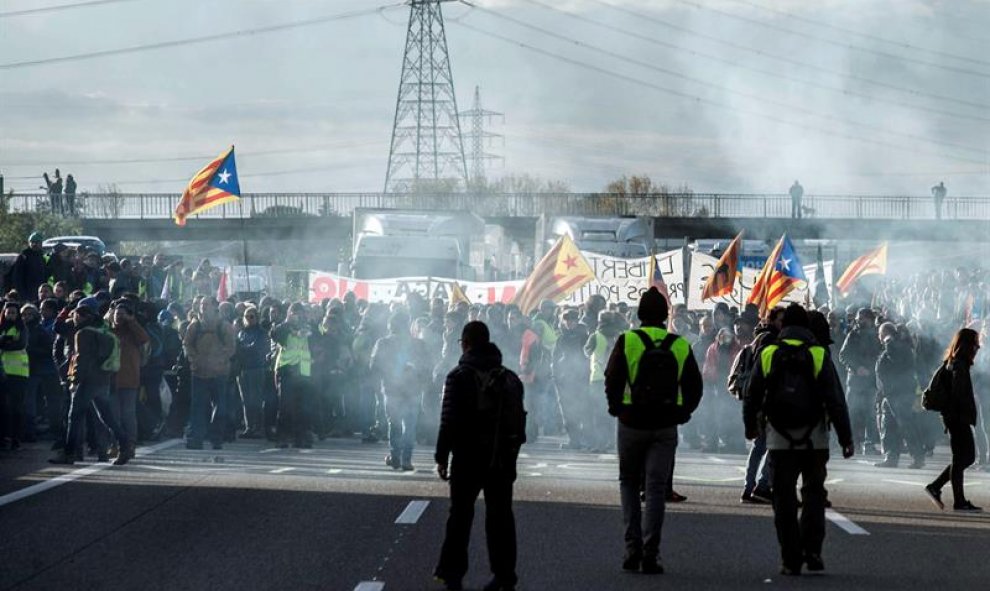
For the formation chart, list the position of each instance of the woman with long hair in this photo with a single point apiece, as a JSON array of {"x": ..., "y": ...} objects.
[{"x": 959, "y": 418}]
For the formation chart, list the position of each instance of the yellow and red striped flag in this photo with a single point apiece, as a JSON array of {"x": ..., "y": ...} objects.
[
  {"x": 781, "y": 274},
  {"x": 214, "y": 185},
  {"x": 561, "y": 272},
  {"x": 871, "y": 263},
  {"x": 457, "y": 295},
  {"x": 723, "y": 277}
]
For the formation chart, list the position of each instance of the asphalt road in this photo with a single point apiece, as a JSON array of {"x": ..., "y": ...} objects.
[{"x": 254, "y": 517}]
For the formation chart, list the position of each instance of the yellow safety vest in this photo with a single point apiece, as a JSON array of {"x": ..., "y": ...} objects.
[
  {"x": 599, "y": 357},
  {"x": 15, "y": 363},
  {"x": 634, "y": 349},
  {"x": 295, "y": 352},
  {"x": 766, "y": 356},
  {"x": 548, "y": 336}
]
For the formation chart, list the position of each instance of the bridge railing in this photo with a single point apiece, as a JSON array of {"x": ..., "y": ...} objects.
[{"x": 715, "y": 205}]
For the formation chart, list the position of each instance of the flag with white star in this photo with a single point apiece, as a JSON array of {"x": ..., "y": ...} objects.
[
  {"x": 781, "y": 274},
  {"x": 214, "y": 185},
  {"x": 561, "y": 272}
]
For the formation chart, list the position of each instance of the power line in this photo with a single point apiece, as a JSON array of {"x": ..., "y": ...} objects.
[
  {"x": 194, "y": 40},
  {"x": 701, "y": 100},
  {"x": 58, "y": 8},
  {"x": 320, "y": 148},
  {"x": 751, "y": 96},
  {"x": 786, "y": 60},
  {"x": 869, "y": 36},
  {"x": 264, "y": 174},
  {"x": 764, "y": 72},
  {"x": 847, "y": 46}
]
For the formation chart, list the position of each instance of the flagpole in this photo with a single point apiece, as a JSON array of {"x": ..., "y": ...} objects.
[{"x": 244, "y": 246}]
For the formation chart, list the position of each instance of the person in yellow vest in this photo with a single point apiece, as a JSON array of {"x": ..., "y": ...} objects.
[
  {"x": 13, "y": 384},
  {"x": 293, "y": 371},
  {"x": 653, "y": 384},
  {"x": 792, "y": 397},
  {"x": 596, "y": 349}
]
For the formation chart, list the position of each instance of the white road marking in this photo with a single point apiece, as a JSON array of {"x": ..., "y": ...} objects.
[
  {"x": 281, "y": 470},
  {"x": 540, "y": 465},
  {"x": 334, "y": 471},
  {"x": 907, "y": 482},
  {"x": 710, "y": 480},
  {"x": 270, "y": 450},
  {"x": 844, "y": 522},
  {"x": 370, "y": 586},
  {"x": 717, "y": 460},
  {"x": 412, "y": 512},
  {"x": 77, "y": 474},
  {"x": 834, "y": 481}
]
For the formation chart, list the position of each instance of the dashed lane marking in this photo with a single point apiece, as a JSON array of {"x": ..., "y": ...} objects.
[
  {"x": 270, "y": 450},
  {"x": 717, "y": 460},
  {"x": 834, "y": 481},
  {"x": 411, "y": 514},
  {"x": 334, "y": 471},
  {"x": 281, "y": 470},
  {"x": 905, "y": 482},
  {"x": 843, "y": 522},
  {"x": 370, "y": 586},
  {"x": 77, "y": 474}
]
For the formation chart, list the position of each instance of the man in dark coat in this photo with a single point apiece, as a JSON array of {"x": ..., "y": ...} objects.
[
  {"x": 484, "y": 458},
  {"x": 30, "y": 269}
]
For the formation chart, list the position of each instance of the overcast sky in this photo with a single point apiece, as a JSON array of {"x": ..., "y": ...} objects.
[{"x": 849, "y": 96}]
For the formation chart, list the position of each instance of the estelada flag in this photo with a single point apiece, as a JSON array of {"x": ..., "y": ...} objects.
[
  {"x": 656, "y": 279},
  {"x": 871, "y": 263},
  {"x": 561, "y": 272},
  {"x": 781, "y": 274},
  {"x": 457, "y": 295},
  {"x": 723, "y": 277},
  {"x": 214, "y": 185}
]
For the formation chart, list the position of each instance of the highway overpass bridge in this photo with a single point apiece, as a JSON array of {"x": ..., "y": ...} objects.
[{"x": 141, "y": 217}]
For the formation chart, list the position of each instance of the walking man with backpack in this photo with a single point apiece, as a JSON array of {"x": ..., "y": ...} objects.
[
  {"x": 653, "y": 384},
  {"x": 483, "y": 425},
  {"x": 791, "y": 398},
  {"x": 95, "y": 359}
]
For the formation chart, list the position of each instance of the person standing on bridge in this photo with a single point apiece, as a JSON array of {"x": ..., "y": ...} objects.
[
  {"x": 938, "y": 193},
  {"x": 797, "y": 193},
  {"x": 653, "y": 384},
  {"x": 483, "y": 425}
]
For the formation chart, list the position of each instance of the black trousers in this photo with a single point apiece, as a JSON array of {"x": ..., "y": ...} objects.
[
  {"x": 799, "y": 538},
  {"x": 963, "y": 455},
  {"x": 466, "y": 483}
]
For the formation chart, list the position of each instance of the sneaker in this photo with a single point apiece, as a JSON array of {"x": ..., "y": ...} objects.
[
  {"x": 790, "y": 570},
  {"x": 632, "y": 561},
  {"x": 62, "y": 458},
  {"x": 762, "y": 494},
  {"x": 966, "y": 507},
  {"x": 408, "y": 467},
  {"x": 392, "y": 462},
  {"x": 814, "y": 563},
  {"x": 125, "y": 455},
  {"x": 651, "y": 566},
  {"x": 936, "y": 496},
  {"x": 674, "y": 497},
  {"x": 450, "y": 584}
]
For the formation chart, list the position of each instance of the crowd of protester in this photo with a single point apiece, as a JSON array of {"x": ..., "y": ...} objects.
[{"x": 211, "y": 371}]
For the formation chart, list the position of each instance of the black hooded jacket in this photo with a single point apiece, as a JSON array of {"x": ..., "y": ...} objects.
[{"x": 460, "y": 422}]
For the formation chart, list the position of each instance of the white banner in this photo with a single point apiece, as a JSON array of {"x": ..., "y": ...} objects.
[
  {"x": 324, "y": 286},
  {"x": 625, "y": 280},
  {"x": 702, "y": 266}
]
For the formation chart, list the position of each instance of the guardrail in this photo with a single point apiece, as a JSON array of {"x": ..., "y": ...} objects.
[{"x": 715, "y": 205}]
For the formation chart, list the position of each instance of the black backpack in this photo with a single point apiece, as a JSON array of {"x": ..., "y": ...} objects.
[
  {"x": 792, "y": 401},
  {"x": 501, "y": 407},
  {"x": 936, "y": 396},
  {"x": 657, "y": 390}
]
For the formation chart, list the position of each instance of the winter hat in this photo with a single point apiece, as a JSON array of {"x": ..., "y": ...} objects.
[
  {"x": 652, "y": 307},
  {"x": 36, "y": 237},
  {"x": 795, "y": 315},
  {"x": 90, "y": 305}
]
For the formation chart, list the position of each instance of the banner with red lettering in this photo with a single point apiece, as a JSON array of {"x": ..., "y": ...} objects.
[{"x": 324, "y": 286}]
